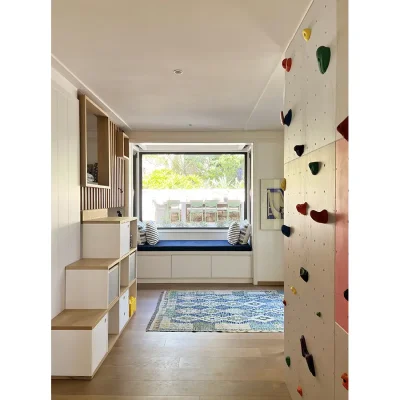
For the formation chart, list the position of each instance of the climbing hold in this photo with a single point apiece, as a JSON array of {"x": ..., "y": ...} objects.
[
  {"x": 318, "y": 314},
  {"x": 283, "y": 184},
  {"x": 287, "y": 64},
  {"x": 286, "y": 119},
  {"x": 302, "y": 208},
  {"x": 303, "y": 344},
  {"x": 299, "y": 149},
  {"x": 310, "y": 363},
  {"x": 300, "y": 391},
  {"x": 284, "y": 302},
  {"x": 304, "y": 274},
  {"x": 293, "y": 289},
  {"x": 314, "y": 167},
  {"x": 307, "y": 34},
  {"x": 285, "y": 230},
  {"x": 288, "y": 361},
  {"x": 319, "y": 216},
  {"x": 345, "y": 380},
  {"x": 343, "y": 128},
  {"x": 346, "y": 294},
  {"x": 323, "y": 57}
]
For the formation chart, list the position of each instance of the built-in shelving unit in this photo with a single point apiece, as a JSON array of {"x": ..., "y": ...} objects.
[
  {"x": 95, "y": 144},
  {"x": 123, "y": 145},
  {"x": 98, "y": 292}
]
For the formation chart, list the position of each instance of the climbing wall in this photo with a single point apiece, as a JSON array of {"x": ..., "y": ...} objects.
[{"x": 311, "y": 95}]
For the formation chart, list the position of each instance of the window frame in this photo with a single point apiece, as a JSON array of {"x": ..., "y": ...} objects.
[{"x": 246, "y": 186}]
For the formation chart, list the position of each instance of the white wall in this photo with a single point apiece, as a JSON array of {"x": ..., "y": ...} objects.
[
  {"x": 65, "y": 185},
  {"x": 267, "y": 245}
]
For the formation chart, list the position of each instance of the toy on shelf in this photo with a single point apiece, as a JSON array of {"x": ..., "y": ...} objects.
[
  {"x": 283, "y": 184},
  {"x": 314, "y": 167},
  {"x": 285, "y": 230},
  {"x": 304, "y": 274},
  {"x": 343, "y": 128},
  {"x": 307, "y": 34},
  {"x": 302, "y": 208},
  {"x": 286, "y": 119},
  {"x": 299, "y": 149},
  {"x": 132, "y": 305},
  {"x": 287, "y": 64},
  {"x": 323, "y": 58},
  {"x": 288, "y": 361},
  {"x": 320, "y": 216},
  {"x": 345, "y": 380}
]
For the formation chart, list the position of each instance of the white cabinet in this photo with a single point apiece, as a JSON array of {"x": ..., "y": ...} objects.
[
  {"x": 106, "y": 240},
  {"x": 188, "y": 266},
  {"x": 123, "y": 310},
  {"x": 154, "y": 266},
  {"x": 235, "y": 266},
  {"x": 79, "y": 342}
]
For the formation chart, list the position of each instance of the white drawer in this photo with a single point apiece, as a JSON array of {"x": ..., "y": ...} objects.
[
  {"x": 123, "y": 310},
  {"x": 231, "y": 267},
  {"x": 196, "y": 266},
  {"x": 154, "y": 266},
  {"x": 99, "y": 342}
]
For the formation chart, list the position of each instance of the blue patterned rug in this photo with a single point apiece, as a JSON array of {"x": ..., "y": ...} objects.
[{"x": 218, "y": 311}]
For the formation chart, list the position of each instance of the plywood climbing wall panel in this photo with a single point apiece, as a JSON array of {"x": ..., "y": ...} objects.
[
  {"x": 311, "y": 246},
  {"x": 98, "y": 198},
  {"x": 310, "y": 94},
  {"x": 341, "y": 362}
]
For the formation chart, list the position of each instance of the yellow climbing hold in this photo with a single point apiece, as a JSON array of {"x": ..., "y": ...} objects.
[
  {"x": 293, "y": 289},
  {"x": 307, "y": 34},
  {"x": 283, "y": 184}
]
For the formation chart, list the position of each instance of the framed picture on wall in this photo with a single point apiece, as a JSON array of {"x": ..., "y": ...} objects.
[{"x": 272, "y": 204}]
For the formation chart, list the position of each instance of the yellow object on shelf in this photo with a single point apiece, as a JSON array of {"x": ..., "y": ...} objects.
[{"x": 132, "y": 305}]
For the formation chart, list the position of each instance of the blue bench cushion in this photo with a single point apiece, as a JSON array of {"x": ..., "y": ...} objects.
[{"x": 194, "y": 245}]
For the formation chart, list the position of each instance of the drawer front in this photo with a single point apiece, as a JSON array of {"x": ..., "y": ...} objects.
[
  {"x": 113, "y": 283},
  {"x": 132, "y": 267},
  {"x": 195, "y": 266},
  {"x": 154, "y": 266},
  {"x": 99, "y": 342},
  {"x": 123, "y": 310},
  {"x": 231, "y": 267},
  {"x": 125, "y": 238}
]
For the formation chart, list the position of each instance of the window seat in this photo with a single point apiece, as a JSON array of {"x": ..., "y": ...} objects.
[{"x": 194, "y": 245}]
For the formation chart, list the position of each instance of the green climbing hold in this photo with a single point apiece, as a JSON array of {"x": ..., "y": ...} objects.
[
  {"x": 314, "y": 167},
  {"x": 288, "y": 361},
  {"x": 323, "y": 57},
  {"x": 318, "y": 314}
]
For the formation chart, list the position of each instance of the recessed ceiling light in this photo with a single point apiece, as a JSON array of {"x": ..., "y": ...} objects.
[
  {"x": 190, "y": 124},
  {"x": 178, "y": 71}
]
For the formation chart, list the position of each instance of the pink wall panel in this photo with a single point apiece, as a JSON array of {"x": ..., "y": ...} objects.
[{"x": 342, "y": 233}]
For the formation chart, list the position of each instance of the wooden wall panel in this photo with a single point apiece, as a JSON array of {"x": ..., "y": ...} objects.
[{"x": 98, "y": 198}]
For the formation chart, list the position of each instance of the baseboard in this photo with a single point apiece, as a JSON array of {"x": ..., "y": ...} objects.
[
  {"x": 270, "y": 283},
  {"x": 195, "y": 281}
]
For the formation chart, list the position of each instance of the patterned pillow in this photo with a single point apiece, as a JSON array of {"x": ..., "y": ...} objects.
[
  {"x": 152, "y": 233},
  {"x": 233, "y": 232},
  {"x": 141, "y": 233},
  {"x": 244, "y": 234}
]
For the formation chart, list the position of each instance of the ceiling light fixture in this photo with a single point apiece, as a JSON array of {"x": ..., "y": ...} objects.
[{"x": 178, "y": 71}]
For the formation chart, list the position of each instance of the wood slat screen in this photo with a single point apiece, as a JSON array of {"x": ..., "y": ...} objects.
[{"x": 97, "y": 198}]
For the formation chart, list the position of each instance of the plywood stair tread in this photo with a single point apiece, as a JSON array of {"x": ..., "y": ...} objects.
[{"x": 77, "y": 319}]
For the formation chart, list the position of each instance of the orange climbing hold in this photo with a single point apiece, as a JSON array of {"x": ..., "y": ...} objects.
[
  {"x": 345, "y": 379},
  {"x": 300, "y": 391},
  {"x": 287, "y": 64},
  {"x": 302, "y": 208}
]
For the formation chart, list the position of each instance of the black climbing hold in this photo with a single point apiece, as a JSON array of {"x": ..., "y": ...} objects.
[
  {"x": 304, "y": 274},
  {"x": 323, "y": 57},
  {"x": 299, "y": 149},
  {"x": 304, "y": 350},
  {"x": 285, "y": 230},
  {"x": 119, "y": 213},
  {"x": 314, "y": 167},
  {"x": 318, "y": 314},
  {"x": 288, "y": 361},
  {"x": 288, "y": 118},
  {"x": 310, "y": 363},
  {"x": 346, "y": 294}
]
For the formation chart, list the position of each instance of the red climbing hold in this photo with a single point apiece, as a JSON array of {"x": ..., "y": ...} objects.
[
  {"x": 287, "y": 64},
  {"x": 319, "y": 216},
  {"x": 302, "y": 208},
  {"x": 284, "y": 302},
  {"x": 345, "y": 379},
  {"x": 300, "y": 391},
  {"x": 343, "y": 128}
]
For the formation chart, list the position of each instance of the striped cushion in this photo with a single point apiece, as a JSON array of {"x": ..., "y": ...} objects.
[
  {"x": 152, "y": 233},
  {"x": 244, "y": 234},
  {"x": 141, "y": 233},
  {"x": 233, "y": 232}
]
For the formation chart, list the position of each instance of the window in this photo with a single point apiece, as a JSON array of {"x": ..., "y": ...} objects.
[{"x": 193, "y": 190}]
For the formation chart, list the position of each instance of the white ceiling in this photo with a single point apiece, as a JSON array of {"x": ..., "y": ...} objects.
[{"x": 123, "y": 53}]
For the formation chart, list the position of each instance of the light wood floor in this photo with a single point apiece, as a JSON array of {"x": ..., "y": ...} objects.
[{"x": 184, "y": 366}]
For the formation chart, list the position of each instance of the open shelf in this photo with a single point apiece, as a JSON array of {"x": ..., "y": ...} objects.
[
  {"x": 95, "y": 144},
  {"x": 123, "y": 145},
  {"x": 112, "y": 338}
]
